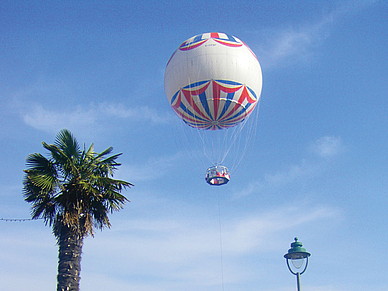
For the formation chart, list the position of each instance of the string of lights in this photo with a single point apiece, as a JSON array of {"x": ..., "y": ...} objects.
[{"x": 17, "y": 219}]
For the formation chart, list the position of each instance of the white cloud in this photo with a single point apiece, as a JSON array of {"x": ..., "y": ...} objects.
[
  {"x": 293, "y": 44},
  {"x": 52, "y": 121},
  {"x": 136, "y": 113},
  {"x": 89, "y": 116},
  {"x": 290, "y": 44},
  {"x": 165, "y": 246},
  {"x": 152, "y": 169},
  {"x": 34, "y": 260},
  {"x": 182, "y": 240},
  {"x": 41, "y": 114},
  {"x": 290, "y": 174},
  {"x": 251, "y": 234},
  {"x": 327, "y": 146},
  {"x": 324, "y": 147},
  {"x": 299, "y": 43},
  {"x": 186, "y": 249}
]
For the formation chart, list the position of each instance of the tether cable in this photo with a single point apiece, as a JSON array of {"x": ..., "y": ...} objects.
[{"x": 222, "y": 258}]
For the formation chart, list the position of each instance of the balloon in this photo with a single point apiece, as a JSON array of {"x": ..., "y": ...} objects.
[{"x": 213, "y": 81}]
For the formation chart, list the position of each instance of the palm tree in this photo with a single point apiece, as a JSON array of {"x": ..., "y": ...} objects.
[{"x": 72, "y": 191}]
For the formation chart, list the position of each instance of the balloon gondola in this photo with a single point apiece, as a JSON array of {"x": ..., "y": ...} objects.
[
  {"x": 217, "y": 175},
  {"x": 213, "y": 82}
]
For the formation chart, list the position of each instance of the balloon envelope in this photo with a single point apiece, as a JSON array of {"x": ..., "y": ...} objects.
[{"x": 213, "y": 81}]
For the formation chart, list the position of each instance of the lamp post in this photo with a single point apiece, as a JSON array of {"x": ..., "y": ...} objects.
[{"x": 299, "y": 259}]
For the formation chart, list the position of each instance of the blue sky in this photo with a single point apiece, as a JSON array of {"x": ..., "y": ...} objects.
[{"x": 316, "y": 168}]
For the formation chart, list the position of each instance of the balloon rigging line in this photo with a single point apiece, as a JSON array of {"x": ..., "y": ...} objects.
[
  {"x": 236, "y": 133},
  {"x": 250, "y": 134},
  {"x": 203, "y": 144}
]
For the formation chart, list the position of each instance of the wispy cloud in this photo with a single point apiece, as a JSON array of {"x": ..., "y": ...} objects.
[
  {"x": 309, "y": 167},
  {"x": 188, "y": 249},
  {"x": 152, "y": 169},
  {"x": 36, "y": 258},
  {"x": 271, "y": 181},
  {"x": 90, "y": 115},
  {"x": 33, "y": 105},
  {"x": 251, "y": 233},
  {"x": 49, "y": 120},
  {"x": 292, "y": 44},
  {"x": 141, "y": 113},
  {"x": 298, "y": 43},
  {"x": 327, "y": 146},
  {"x": 163, "y": 245},
  {"x": 325, "y": 288}
]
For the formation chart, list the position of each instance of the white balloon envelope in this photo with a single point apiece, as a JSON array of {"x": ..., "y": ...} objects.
[{"x": 213, "y": 81}]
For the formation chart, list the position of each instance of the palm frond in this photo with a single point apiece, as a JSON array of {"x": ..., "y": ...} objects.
[
  {"x": 87, "y": 155},
  {"x": 67, "y": 164},
  {"x": 45, "y": 209},
  {"x": 41, "y": 173},
  {"x": 67, "y": 143},
  {"x": 38, "y": 162},
  {"x": 100, "y": 215},
  {"x": 104, "y": 153},
  {"x": 73, "y": 189},
  {"x": 111, "y": 161},
  {"x": 57, "y": 154}
]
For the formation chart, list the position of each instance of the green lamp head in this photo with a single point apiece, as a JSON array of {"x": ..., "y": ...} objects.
[{"x": 296, "y": 252}]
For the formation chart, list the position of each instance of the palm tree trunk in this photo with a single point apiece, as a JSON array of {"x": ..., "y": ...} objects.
[{"x": 69, "y": 259}]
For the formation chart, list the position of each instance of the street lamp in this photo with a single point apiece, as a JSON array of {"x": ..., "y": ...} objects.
[{"x": 299, "y": 258}]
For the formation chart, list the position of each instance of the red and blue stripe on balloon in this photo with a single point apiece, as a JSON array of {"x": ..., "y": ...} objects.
[{"x": 228, "y": 104}]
